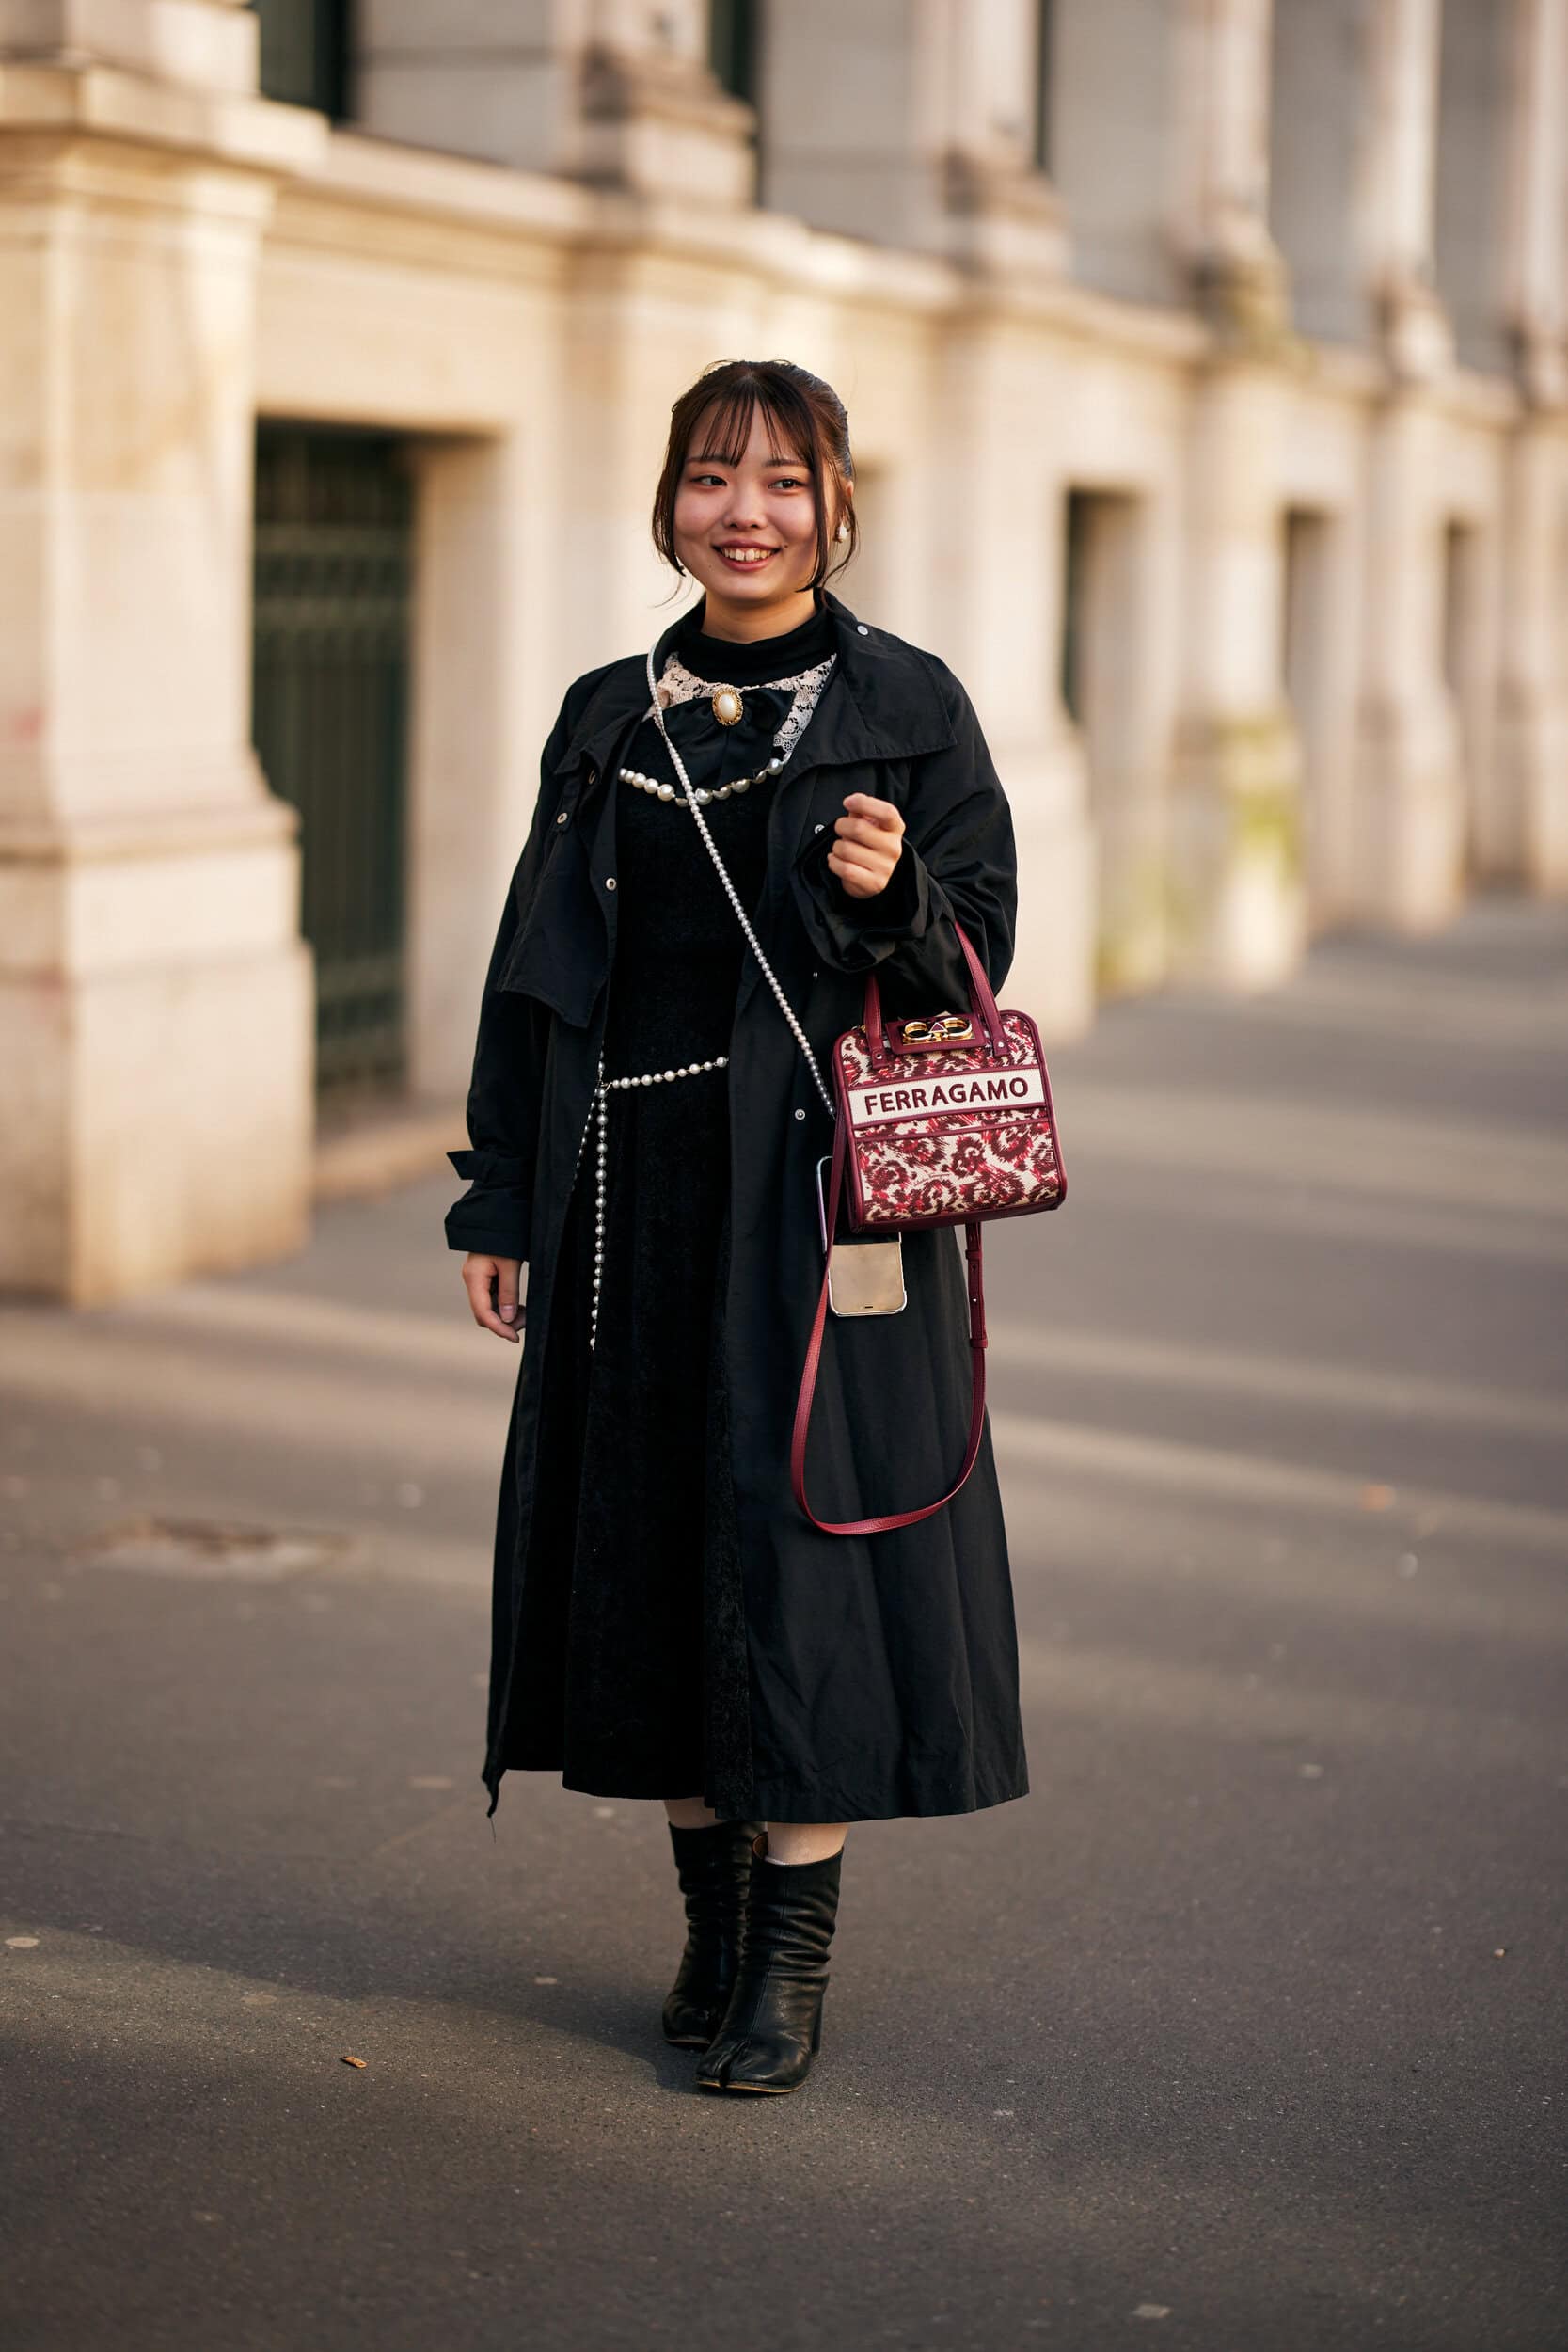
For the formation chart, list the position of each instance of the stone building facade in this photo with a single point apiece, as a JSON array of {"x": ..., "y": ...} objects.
[{"x": 1207, "y": 364}]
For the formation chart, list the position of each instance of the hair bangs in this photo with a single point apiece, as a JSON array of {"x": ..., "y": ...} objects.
[{"x": 723, "y": 430}]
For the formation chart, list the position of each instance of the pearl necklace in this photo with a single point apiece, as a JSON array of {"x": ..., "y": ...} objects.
[
  {"x": 678, "y": 685},
  {"x": 704, "y": 794}
]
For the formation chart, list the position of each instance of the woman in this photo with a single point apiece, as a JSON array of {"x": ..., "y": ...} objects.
[{"x": 666, "y": 1622}]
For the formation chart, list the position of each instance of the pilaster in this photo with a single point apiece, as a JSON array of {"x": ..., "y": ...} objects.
[
  {"x": 999, "y": 587},
  {"x": 153, "y": 986},
  {"x": 1221, "y": 214},
  {"x": 1404, "y": 859},
  {"x": 1396, "y": 188},
  {"x": 1410, "y": 768},
  {"x": 1236, "y": 853},
  {"x": 1236, "y": 890},
  {"x": 1521, "y": 831}
]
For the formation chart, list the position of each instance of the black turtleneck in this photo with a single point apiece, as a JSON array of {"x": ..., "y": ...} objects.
[{"x": 727, "y": 663}]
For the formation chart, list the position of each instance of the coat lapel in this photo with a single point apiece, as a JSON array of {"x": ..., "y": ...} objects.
[{"x": 881, "y": 704}]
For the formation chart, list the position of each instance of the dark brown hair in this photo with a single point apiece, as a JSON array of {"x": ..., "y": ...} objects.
[{"x": 808, "y": 418}]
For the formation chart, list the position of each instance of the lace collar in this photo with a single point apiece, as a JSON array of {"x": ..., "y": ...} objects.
[{"x": 677, "y": 684}]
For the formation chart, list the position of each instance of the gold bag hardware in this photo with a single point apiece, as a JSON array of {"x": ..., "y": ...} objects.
[{"x": 951, "y": 1028}]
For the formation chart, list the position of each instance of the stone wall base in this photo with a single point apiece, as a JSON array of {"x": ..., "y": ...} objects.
[{"x": 160, "y": 1108}]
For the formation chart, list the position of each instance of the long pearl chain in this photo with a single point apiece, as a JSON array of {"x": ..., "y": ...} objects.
[
  {"x": 691, "y": 801},
  {"x": 600, "y": 1113}
]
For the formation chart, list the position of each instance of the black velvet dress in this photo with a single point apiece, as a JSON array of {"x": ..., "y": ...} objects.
[{"x": 631, "y": 1664}]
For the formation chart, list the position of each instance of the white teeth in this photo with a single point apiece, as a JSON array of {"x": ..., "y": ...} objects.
[{"x": 746, "y": 555}]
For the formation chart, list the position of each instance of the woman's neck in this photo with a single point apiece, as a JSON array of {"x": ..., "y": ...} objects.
[{"x": 747, "y": 623}]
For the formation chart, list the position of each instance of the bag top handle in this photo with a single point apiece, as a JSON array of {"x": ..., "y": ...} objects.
[{"x": 982, "y": 1005}]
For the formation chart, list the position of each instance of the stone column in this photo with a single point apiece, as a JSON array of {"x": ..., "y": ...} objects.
[
  {"x": 1129, "y": 597},
  {"x": 1523, "y": 834},
  {"x": 154, "y": 995},
  {"x": 1535, "y": 144},
  {"x": 1410, "y": 777},
  {"x": 1237, "y": 887},
  {"x": 1237, "y": 866},
  {"x": 1405, "y": 862},
  {"x": 910, "y": 123},
  {"x": 1521, "y": 829},
  {"x": 614, "y": 91},
  {"x": 1395, "y": 188},
  {"x": 1220, "y": 219},
  {"x": 1352, "y": 165}
]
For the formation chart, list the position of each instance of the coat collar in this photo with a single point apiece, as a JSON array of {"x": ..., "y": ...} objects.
[{"x": 882, "y": 701}]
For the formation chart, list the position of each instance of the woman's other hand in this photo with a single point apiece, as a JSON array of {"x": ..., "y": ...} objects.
[
  {"x": 870, "y": 838},
  {"x": 491, "y": 1287}
]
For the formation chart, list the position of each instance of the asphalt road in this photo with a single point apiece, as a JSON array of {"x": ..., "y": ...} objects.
[{"x": 1244, "y": 2032}]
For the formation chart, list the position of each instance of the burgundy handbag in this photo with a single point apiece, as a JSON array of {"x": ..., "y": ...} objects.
[
  {"x": 941, "y": 1121},
  {"x": 946, "y": 1120}
]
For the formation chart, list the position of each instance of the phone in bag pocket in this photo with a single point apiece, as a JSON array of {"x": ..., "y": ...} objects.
[{"x": 864, "y": 1278}]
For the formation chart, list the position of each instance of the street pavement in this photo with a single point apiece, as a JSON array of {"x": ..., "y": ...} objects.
[{"x": 1243, "y": 2032}]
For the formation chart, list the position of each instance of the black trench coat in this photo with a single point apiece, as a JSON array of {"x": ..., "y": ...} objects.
[{"x": 883, "y": 1670}]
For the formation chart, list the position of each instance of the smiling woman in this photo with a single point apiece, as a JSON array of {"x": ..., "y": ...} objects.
[{"x": 667, "y": 1623}]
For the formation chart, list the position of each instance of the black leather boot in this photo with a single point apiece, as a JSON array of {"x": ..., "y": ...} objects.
[
  {"x": 714, "y": 1866},
  {"x": 773, "y": 2025}
]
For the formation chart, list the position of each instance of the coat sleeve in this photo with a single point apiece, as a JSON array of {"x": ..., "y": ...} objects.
[
  {"x": 957, "y": 861},
  {"x": 506, "y": 1086}
]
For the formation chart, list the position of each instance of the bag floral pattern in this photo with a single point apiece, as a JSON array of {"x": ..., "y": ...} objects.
[{"x": 946, "y": 1167}]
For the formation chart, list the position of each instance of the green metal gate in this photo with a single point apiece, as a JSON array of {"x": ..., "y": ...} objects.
[{"x": 330, "y": 680}]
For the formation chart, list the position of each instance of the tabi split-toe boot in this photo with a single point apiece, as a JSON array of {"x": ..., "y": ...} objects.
[
  {"x": 714, "y": 1868},
  {"x": 773, "y": 2025}
]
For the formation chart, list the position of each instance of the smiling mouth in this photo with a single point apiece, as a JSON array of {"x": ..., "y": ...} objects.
[{"x": 747, "y": 558}]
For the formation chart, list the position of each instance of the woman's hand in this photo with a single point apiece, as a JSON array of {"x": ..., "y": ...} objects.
[
  {"x": 870, "y": 838},
  {"x": 478, "y": 1275}
]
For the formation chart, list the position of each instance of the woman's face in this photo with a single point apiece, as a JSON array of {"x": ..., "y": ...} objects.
[{"x": 748, "y": 532}]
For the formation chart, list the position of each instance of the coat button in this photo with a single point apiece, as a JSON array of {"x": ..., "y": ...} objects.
[
  {"x": 610, "y": 881},
  {"x": 814, "y": 829},
  {"x": 592, "y": 773},
  {"x": 799, "y": 1114},
  {"x": 863, "y": 630},
  {"x": 560, "y": 817}
]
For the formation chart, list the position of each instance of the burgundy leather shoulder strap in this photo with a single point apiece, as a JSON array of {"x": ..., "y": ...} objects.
[{"x": 975, "y": 1270}]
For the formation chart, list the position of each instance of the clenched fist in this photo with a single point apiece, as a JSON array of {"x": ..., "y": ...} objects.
[{"x": 870, "y": 837}]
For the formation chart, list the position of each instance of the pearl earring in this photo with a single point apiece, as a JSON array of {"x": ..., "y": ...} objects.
[{"x": 842, "y": 532}]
